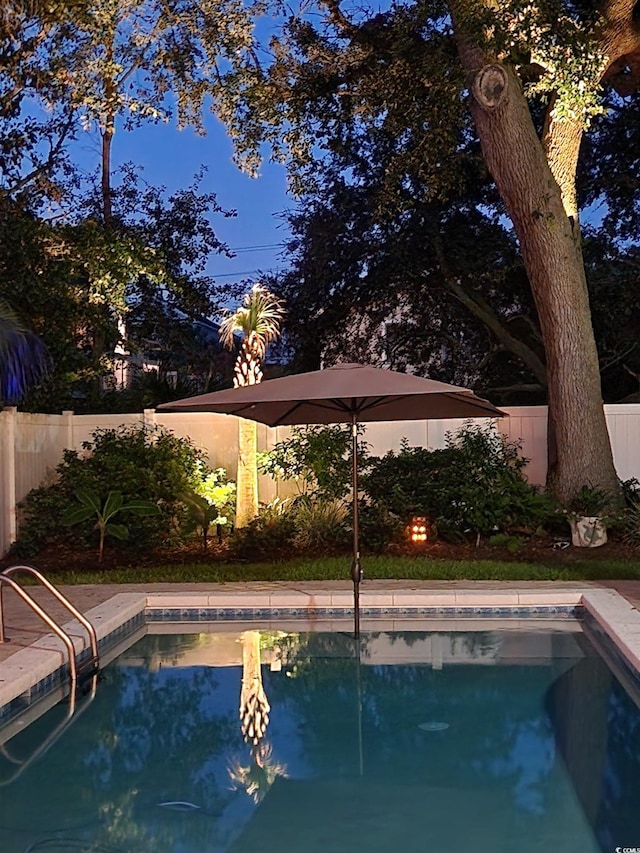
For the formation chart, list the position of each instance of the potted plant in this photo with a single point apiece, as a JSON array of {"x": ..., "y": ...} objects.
[{"x": 588, "y": 513}]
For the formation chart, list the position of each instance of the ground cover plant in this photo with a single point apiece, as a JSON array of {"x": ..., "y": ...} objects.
[{"x": 553, "y": 566}]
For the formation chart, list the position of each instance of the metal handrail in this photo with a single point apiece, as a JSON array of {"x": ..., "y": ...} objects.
[
  {"x": 33, "y": 604},
  {"x": 93, "y": 638}
]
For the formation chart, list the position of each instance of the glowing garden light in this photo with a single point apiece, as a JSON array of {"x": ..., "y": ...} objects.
[{"x": 418, "y": 529}]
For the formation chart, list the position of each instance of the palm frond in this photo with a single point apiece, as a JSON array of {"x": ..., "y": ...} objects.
[
  {"x": 259, "y": 317},
  {"x": 23, "y": 357}
]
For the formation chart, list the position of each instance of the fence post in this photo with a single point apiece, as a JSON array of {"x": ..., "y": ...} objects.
[
  {"x": 149, "y": 417},
  {"x": 67, "y": 414},
  {"x": 8, "y": 468}
]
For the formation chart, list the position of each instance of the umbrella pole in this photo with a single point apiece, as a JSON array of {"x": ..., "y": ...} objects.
[{"x": 356, "y": 568}]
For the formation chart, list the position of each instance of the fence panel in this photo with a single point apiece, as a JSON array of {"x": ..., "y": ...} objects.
[
  {"x": 623, "y": 421},
  {"x": 7, "y": 478},
  {"x": 85, "y": 425},
  {"x": 39, "y": 443}
]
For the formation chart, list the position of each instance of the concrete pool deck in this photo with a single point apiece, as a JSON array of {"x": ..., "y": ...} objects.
[{"x": 23, "y": 627}]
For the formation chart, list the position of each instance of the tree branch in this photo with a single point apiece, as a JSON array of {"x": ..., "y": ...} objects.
[
  {"x": 43, "y": 166},
  {"x": 480, "y": 308},
  {"x": 338, "y": 18},
  {"x": 620, "y": 40}
]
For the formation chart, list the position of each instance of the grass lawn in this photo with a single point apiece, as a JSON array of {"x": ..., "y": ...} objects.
[{"x": 338, "y": 568}]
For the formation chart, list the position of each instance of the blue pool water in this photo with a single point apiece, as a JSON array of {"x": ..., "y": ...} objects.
[{"x": 479, "y": 742}]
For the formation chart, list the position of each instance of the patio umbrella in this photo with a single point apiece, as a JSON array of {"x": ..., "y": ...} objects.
[{"x": 346, "y": 393}]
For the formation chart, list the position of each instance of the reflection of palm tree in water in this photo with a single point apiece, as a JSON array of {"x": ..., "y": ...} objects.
[
  {"x": 254, "y": 705},
  {"x": 259, "y": 776}
]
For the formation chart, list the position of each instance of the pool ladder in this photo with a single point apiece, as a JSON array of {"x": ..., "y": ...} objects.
[{"x": 78, "y": 672}]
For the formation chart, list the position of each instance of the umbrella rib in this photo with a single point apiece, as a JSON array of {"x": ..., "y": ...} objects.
[
  {"x": 319, "y": 403},
  {"x": 477, "y": 402},
  {"x": 288, "y": 412}
]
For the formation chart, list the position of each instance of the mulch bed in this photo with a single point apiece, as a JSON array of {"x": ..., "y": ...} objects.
[{"x": 538, "y": 549}]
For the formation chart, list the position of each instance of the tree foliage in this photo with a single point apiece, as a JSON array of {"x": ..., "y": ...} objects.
[
  {"x": 439, "y": 82},
  {"x": 76, "y": 280},
  {"x": 442, "y": 290},
  {"x": 118, "y": 248}
]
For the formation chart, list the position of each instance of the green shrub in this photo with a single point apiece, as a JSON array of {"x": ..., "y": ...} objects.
[
  {"x": 401, "y": 482},
  {"x": 379, "y": 528},
  {"x": 318, "y": 458},
  {"x": 149, "y": 464},
  {"x": 473, "y": 486},
  {"x": 321, "y": 526},
  {"x": 269, "y": 534},
  {"x": 221, "y": 493}
]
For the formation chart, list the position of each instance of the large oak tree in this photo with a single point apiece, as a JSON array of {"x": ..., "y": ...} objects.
[{"x": 530, "y": 75}]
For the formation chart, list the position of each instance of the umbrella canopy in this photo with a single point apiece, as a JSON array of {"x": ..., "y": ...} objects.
[
  {"x": 339, "y": 393},
  {"x": 346, "y": 393}
]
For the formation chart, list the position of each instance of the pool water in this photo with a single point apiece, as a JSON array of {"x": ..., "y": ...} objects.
[{"x": 434, "y": 741}]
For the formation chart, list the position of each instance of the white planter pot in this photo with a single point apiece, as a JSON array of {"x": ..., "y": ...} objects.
[{"x": 587, "y": 531}]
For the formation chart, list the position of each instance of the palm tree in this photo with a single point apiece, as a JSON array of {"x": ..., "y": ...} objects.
[
  {"x": 23, "y": 357},
  {"x": 258, "y": 320}
]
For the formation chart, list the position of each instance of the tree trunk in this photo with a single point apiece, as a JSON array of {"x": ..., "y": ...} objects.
[
  {"x": 107, "y": 133},
  {"x": 107, "y": 138},
  {"x": 553, "y": 259},
  {"x": 247, "y": 476}
]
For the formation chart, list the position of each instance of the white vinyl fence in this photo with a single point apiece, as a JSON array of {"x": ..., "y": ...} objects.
[{"x": 31, "y": 445}]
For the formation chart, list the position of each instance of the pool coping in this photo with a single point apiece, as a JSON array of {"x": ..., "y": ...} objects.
[{"x": 35, "y": 671}]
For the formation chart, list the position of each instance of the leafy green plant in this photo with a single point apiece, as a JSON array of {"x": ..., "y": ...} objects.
[
  {"x": 91, "y": 506},
  {"x": 221, "y": 493},
  {"x": 401, "y": 482},
  {"x": 270, "y": 532},
  {"x": 317, "y": 458},
  {"x": 590, "y": 501},
  {"x": 631, "y": 524},
  {"x": 379, "y": 527},
  {"x": 200, "y": 515}
]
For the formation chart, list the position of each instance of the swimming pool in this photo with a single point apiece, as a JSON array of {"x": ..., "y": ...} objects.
[{"x": 485, "y": 740}]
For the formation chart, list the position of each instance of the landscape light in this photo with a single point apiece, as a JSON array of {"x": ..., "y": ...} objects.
[{"x": 418, "y": 529}]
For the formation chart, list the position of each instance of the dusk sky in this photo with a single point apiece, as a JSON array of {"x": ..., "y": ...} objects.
[{"x": 171, "y": 158}]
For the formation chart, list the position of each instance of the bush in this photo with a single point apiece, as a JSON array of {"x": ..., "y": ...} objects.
[
  {"x": 318, "y": 458},
  {"x": 142, "y": 463},
  {"x": 221, "y": 493},
  {"x": 473, "y": 486},
  {"x": 379, "y": 528},
  {"x": 321, "y": 526},
  {"x": 269, "y": 534},
  {"x": 282, "y": 527}
]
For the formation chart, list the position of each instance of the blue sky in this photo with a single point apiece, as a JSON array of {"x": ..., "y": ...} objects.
[{"x": 171, "y": 158}]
